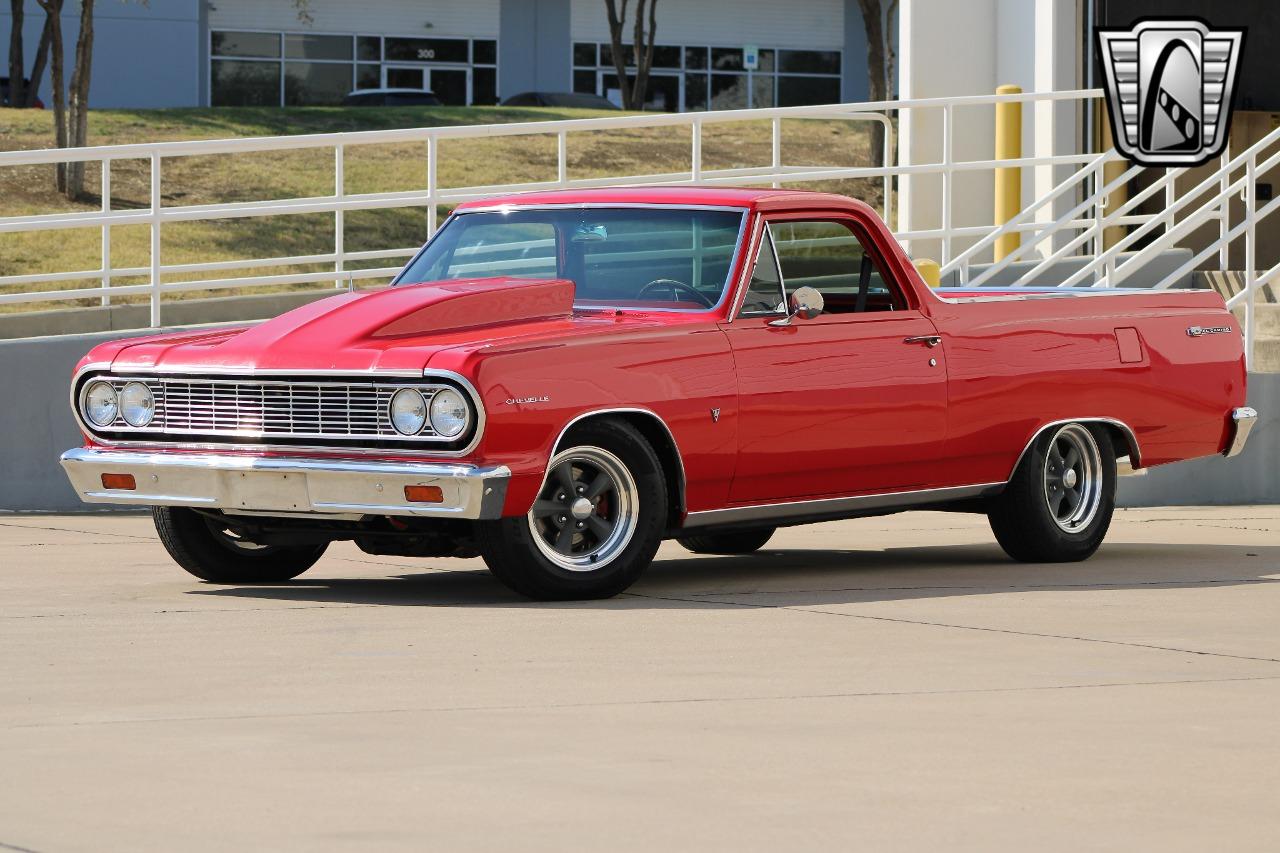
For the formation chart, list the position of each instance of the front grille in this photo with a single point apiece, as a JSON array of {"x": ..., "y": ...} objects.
[{"x": 257, "y": 409}]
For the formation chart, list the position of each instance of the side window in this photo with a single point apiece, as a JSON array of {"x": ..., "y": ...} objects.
[
  {"x": 829, "y": 257},
  {"x": 764, "y": 293}
]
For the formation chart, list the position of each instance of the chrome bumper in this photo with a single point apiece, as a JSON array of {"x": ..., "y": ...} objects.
[
  {"x": 1242, "y": 421},
  {"x": 286, "y": 486}
]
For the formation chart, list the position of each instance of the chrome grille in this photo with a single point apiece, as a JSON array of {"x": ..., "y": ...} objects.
[{"x": 251, "y": 408}]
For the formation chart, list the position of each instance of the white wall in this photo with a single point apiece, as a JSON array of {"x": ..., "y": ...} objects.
[
  {"x": 812, "y": 24},
  {"x": 970, "y": 47},
  {"x": 473, "y": 18}
]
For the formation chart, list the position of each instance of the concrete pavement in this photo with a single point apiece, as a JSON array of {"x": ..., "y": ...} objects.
[{"x": 893, "y": 683}]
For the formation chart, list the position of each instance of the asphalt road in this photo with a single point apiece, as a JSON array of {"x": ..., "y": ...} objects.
[{"x": 891, "y": 683}]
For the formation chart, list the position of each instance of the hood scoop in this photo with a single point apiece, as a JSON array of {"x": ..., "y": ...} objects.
[{"x": 421, "y": 309}]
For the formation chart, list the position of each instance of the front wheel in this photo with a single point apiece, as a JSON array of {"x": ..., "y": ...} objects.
[
  {"x": 1058, "y": 506},
  {"x": 214, "y": 552},
  {"x": 595, "y": 525}
]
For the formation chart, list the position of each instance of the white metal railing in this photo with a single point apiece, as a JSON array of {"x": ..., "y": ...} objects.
[
  {"x": 1180, "y": 216},
  {"x": 156, "y": 215}
]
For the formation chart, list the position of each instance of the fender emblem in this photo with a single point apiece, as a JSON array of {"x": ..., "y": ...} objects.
[
  {"x": 1198, "y": 331},
  {"x": 715, "y": 416},
  {"x": 515, "y": 401}
]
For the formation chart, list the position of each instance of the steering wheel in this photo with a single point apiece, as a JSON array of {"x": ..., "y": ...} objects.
[{"x": 676, "y": 287}]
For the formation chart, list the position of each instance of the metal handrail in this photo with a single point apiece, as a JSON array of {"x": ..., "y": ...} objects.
[{"x": 156, "y": 215}]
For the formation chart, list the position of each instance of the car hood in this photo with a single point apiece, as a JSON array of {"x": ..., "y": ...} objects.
[{"x": 390, "y": 329}]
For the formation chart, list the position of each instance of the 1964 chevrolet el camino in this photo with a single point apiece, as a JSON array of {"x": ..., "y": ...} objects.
[{"x": 559, "y": 381}]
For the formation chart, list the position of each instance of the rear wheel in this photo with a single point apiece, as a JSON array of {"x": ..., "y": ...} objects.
[
  {"x": 1058, "y": 506},
  {"x": 595, "y": 524},
  {"x": 742, "y": 542},
  {"x": 213, "y": 551}
]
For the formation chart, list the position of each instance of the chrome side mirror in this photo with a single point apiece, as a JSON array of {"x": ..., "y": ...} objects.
[{"x": 805, "y": 303}]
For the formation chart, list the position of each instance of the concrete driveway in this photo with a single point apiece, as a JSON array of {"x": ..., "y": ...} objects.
[{"x": 892, "y": 683}]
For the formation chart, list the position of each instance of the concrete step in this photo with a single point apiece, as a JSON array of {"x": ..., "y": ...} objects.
[{"x": 1266, "y": 355}]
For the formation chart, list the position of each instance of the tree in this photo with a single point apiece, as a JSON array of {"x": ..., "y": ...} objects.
[
  {"x": 70, "y": 122},
  {"x": 633, "y": 93},
  {"x": 17, "y": 67},
  {"x": 878, "y": 75},
  {"x": 53, "y": 18}
]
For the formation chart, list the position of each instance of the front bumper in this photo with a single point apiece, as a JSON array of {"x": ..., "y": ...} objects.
[
  {"x": 1242, "y": 421},
  {"x": 255, "y": 484}
]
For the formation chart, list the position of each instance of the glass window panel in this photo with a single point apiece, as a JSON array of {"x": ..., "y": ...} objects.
[
  {"x": 484, "y": 86},
  {"x": 728, "y": 91},
  {"x": 726, "y": 58},
  {"x": 695, "y": 91},
  {"x": 234, "y": 83},
  {"x": 766, "y": 60},
  {"x": 762, "y": 90},
  {"x": 695, "y": 57},
  {"x": 584, "y": 82},
  {"x": 666, "y": 57},
  {"x": 606, "y": 55},
  {"x": 803, "y": 91},
  {"x": 484, "y": 52},
  {"x": 764, "y": 293},
  {"x": 315, "y": 83},
  {"x": 406, "y": 78},
  {"x": 809, "y": 61},
  {"x": 299, "y": 46},
  {"x": 369, "y": 47},
  {"x": 584, "y": 53},
  {"x": 246, "y": 44},
  {"x": 426, "y": 50},
  {"x": 450, "y": 86},
  {"x": 368, "y": 76},
  {"x": 830, "y": 257}
]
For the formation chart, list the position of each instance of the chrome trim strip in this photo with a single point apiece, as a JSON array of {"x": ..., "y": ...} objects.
[
  {"x": 1242, "y": 423},
  {"x": 318, "y": 486},
  {"x": 1135, "y": 453},
  {"x": 633, "y": 411},
  {"x": 837, "y": 506},
  {"x": 477, "y": 405}
]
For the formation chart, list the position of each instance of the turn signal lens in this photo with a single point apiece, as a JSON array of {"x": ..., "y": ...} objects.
[
  {"x": 119, "y": 481},
  {"x": 424, "y": 494}
]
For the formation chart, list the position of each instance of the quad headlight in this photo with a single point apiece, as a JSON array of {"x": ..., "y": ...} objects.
[
  {"x": 137, "y": 404},
  {"x": 101, "y": 403},
  {"x": 450, "y": 414},
  {"x": 408, "y": 411}
]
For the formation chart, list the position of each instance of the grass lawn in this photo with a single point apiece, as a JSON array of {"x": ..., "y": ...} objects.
[{"x": 212, "y": 179}]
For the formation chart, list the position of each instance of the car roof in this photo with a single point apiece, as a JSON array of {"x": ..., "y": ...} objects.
[
  {"x": 750, "y": 199},
  {"x": 390, "y": 92}
]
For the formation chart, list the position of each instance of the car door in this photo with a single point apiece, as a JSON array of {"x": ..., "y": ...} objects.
[{"x": 852, "y": 401}]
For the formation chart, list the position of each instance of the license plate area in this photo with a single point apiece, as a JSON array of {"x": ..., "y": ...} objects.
[{"x": 264, "y": 490}]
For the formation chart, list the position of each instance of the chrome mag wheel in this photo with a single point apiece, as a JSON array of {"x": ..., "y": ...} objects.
[
  {"x": 1073, "y": 478},
  {"x": 587, "y": 511}
]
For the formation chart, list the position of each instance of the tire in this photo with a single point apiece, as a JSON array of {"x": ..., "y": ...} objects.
[
  {"x": 557, "y": 551},
  {"x": 205, "y": 549},
  {"x": 1058, "y": 506},
  {"x": 743, "y": 542}
]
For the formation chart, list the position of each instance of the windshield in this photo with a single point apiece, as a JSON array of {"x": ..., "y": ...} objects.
[{"x": 649, "y": 258}]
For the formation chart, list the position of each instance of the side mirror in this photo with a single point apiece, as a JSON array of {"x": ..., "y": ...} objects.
[{"x": 805, "y": 303}]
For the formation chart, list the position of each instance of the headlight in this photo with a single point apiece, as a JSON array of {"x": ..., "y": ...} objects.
[
  {"x": 449, "y": 413},
  {"x": 137, "y": 405},
  {"x": 100, "y": 403},
  {"x": 408, "y": 411}
]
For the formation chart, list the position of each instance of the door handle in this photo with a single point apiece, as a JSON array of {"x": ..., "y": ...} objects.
[{"x": 930, "y": 341}]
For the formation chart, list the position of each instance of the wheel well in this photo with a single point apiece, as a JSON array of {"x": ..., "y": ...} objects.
[
  {"x": 659, "y": 437},
  {"x": 1123, "y": 442}
]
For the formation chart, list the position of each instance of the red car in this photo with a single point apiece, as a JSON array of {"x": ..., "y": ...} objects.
[{"x": 559, "y": 381}]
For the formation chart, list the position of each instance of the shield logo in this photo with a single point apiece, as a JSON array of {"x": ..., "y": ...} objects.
[{"x": 1170, "y": 85}]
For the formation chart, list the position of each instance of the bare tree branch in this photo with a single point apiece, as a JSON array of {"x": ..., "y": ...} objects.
[{"x": 616, "y": 21}]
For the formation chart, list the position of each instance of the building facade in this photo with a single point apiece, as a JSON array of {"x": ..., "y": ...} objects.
[{"x": 710, "y": 54}]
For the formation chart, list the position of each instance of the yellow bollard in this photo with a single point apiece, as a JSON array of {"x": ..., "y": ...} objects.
[
  {"x": 929, "y": 271},
  {"x": 1008, "y": 180}
]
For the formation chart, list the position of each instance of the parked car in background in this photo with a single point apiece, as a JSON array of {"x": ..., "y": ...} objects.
[
  {"x": 559, "y": 381},
  {"x": 391, "y": 98},
  {"x": 576, "y": 100},
  {"x": 4, "y": 94}
]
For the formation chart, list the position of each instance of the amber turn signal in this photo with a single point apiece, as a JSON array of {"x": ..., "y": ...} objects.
[
  {"x": 119, "y": 481},
  {"x": 423, "y": 494}
]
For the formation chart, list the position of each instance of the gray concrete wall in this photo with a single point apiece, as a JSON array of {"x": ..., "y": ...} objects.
[
  {"x": 36, "y": 426},
  {"x": 144, "y": 54},
  {"x": 535, "y": 49}
]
